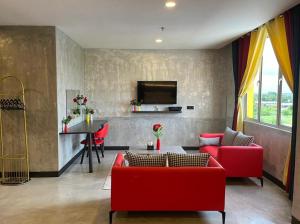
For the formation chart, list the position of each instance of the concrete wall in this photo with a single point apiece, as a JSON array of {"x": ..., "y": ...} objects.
[
  {"x": 276, "y": 143},
  {"x": 204, "y": 81},
  {"x": 29, "y": 54},
  {"x": 70, "y": 75}
]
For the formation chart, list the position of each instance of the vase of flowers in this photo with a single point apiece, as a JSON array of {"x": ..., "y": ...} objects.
[
  {"x": 157, "y": 132},
  {"x": 66, "y": 121},
  {"x": 80, "y": 101},
  {"x": 89, "y": 114},
  {"x": 135, "y": 105}
]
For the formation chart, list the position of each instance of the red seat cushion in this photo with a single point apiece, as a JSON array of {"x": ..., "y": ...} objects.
[
  {"x": 97, "y": 142},
  {"x": 211, "y": 149}
]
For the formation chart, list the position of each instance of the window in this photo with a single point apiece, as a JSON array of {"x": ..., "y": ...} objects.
[{"x": 269, "y": 100}]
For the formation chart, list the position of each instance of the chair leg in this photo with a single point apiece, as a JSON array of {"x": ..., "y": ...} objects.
[
  {"x": 111, "y": 216},
  {"x": 102, "y": 150},
  {"x": 261, "y": 181},
  {"x": 97, "y": 153},
  {"x": 223, "y": 216},
  {"x": 82, "y": 156}
]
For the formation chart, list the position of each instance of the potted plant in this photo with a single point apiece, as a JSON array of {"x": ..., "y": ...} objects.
[
  {"x": 157, "y": 132},
  {"x": 66, "y": 121},
  {"x": 135, "y": 105}
]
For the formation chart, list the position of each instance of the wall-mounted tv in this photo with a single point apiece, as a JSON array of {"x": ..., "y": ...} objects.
[{"x": 157, "y": 92}]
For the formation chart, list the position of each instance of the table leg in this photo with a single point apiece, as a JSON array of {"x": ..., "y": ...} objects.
[{"x": 90, "y": 153}]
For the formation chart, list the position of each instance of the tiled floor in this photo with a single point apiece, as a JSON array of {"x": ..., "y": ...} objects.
[{"x": 77, "y": 197}]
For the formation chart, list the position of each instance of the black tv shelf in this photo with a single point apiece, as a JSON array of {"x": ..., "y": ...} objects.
[{"x": 156, "y": 112}]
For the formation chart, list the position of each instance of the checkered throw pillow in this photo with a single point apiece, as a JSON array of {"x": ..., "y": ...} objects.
[
  {"x": 243, "y": 140},
  {"x": 146, "y": 160},
  {"x": 180, "y": 160}
]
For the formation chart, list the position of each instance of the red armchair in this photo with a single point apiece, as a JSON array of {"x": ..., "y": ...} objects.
[
  {"x": 238, "y": 161},
  {"x": 167, "y": 188}
]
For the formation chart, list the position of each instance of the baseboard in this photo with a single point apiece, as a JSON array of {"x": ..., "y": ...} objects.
[
  {"x": 190, "y": 147},
  {"x": 60, "y": 172},
  {"x": 116, "y": 147},
  {"x": 295, "y": 221},
  {"x": 274, "y": 180},
  {"x": 44, "y": 174},
  {"x": 55, "y": 173}
]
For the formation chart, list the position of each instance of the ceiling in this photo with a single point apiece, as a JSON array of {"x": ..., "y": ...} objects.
[{"x": 135, "y": 24}]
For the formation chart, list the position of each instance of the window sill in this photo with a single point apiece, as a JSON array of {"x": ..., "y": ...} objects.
[{"x": 283, "y": 129}]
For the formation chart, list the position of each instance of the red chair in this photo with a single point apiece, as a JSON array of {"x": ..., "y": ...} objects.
[{"x": 97, "y": 142}]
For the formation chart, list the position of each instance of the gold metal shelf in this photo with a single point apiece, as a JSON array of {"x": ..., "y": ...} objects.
[{"x": 14, "y": 149}]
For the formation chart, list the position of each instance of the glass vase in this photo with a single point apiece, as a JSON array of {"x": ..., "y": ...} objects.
[
  {"x": 158, "y": 144},
  {"x": 65, "y": 128}
]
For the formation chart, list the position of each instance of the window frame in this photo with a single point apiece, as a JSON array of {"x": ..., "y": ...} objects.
[{"x": 278, "y": 124}]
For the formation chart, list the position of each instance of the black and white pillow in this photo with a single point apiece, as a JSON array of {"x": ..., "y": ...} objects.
[
  {"x": 148, "y": 160},
  {"x": 229, "y": 136},
  {"x": 243, "y": 140},
  {"x": 181, "y": 160},
  {"x": 208, "y": 141}
]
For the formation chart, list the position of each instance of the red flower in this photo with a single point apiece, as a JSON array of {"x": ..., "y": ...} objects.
[
  {"x": 85, "y": 99},
  {"x": 156, "y": 127},
  {"x": 75, "y": 100}
]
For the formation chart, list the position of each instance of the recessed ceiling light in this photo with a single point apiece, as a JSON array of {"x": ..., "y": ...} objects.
[
  {"x": 170, "y": 4},
  {"x": 158, "y": 40}
]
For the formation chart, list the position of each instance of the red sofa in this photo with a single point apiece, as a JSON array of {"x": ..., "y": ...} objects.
[
  {"x": 167, "y": 188},
  {"x": 238, "y": 161}
]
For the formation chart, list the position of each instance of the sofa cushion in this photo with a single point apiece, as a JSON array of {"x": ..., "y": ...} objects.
[
  {"x": 243, "y": 140},
  {"x": 209, "y": 141},
  {"x": 148, "y": 160},
  {"x": 182, "y": 160},
  {"x": 212, "y": 150},
  {"x": 229, "y": 136}
]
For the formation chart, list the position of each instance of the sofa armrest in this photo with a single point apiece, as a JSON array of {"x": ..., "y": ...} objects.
[
  {"x": 241, "y": 160},
  {"x": 119, "y": 160}
]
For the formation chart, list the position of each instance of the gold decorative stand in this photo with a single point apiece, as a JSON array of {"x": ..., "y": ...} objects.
[{"x": 14, "y": 158}]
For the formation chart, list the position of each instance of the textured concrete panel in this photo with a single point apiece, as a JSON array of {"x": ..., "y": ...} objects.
[
  {"x": 70, "y": 75},
  {"x": 204, "y": 81},
  {"x": 275, "y": 142},
  {"x": 29, "y": 54}
]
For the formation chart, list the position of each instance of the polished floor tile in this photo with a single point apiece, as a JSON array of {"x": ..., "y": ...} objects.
[{"x": 77, "y": 197}]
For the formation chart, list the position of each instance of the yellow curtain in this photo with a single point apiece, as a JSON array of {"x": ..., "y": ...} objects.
[
  {"x": 286, "y": 167},
  {"x": 277, "y": 34},
  {"x": 257, "y": 42}
]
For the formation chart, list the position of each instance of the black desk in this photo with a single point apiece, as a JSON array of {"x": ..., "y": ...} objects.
[{"x": 89, "y": 129}]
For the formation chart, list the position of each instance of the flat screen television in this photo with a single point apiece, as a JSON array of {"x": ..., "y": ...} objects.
[{"x": 157, "y": 92}]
